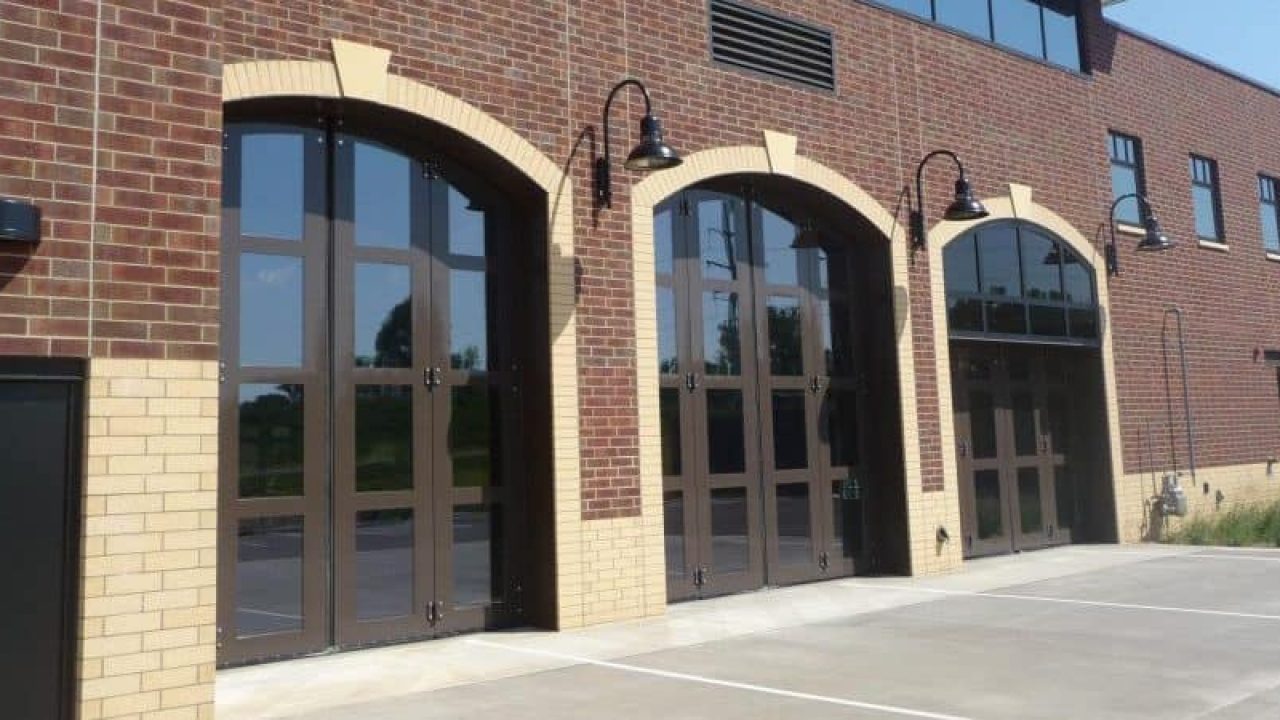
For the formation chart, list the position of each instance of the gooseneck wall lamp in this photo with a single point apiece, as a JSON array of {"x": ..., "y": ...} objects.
[
  {"x": 653, "y": 153},
  {"x": 1153, "y": 238},
  {"x": 963, "y": 207}
]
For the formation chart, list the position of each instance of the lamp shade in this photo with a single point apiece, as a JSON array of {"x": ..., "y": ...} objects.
[
  {"x": 965, "y": 206},
  {"x": 1154, "y": 237},
  {"x": 808, "y": 236},
  {"x": 653, "y": 153}
]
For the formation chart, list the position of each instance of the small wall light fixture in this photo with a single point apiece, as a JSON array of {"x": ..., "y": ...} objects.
[
  {"x": 653, "y": 153},
  {"x": 1153, "y": 237},
  {"x": 19, "y": 221},
  {"x": 963, "y": 207}
]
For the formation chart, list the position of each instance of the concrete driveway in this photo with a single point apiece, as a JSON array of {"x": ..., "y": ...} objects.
[{"x": 1078, "y": 632}]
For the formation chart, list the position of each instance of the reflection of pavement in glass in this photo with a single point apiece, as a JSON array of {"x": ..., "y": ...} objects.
[
  {"x": 269, "y": 583},
  {"x": 269, "y": 574},
  {"x": 384, "y": 570},
  {"x": 472, "y": 558}
]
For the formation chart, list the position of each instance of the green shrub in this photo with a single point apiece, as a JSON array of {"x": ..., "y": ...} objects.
[{"x": 1247, "y": 526}]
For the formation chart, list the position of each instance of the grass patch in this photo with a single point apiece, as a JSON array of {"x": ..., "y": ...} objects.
[{"x": 1249, "y": 526}]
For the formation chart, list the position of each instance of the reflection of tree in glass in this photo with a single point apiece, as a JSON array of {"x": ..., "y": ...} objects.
[
  {"x": 384, "y": 437},
  {"x": 271, "y": 443},
  {"x": 469, "y": 436},
  {"x": 726, "y": 360},
  {"x": 393, "y": 346},
  {"x": 785, "y": 355},
  {"x": 468, "y": 359}
]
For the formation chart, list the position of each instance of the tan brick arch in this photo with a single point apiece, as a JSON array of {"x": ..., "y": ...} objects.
[
  {"x": 360, "y": 72},
  {"x": 777, "y": 156},
  {"x": 1018, "y": 205}
]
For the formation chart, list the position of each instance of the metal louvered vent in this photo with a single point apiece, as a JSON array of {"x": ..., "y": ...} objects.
[{"x": 755, "y": 40}]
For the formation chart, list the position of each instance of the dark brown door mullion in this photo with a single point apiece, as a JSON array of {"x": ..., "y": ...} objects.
[
  {"x": 735, "y": 490},
  {"x": 373, "y": 389},
  {"x": 310, "y": 377},
  {"x": 682, "y": 486}
]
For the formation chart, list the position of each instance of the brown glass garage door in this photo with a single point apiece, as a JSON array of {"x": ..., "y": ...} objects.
[
  {"x": 758, "y": 399},
  {"x": 368, "y": 401}
]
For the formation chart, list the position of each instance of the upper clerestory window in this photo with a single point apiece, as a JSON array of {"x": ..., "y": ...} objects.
[{"x": 1047, "y": 29}]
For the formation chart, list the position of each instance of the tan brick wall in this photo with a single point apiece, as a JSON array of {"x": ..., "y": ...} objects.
[
  {"x": 1241, "y": 485},
  {"x": 148, "y": 628}
]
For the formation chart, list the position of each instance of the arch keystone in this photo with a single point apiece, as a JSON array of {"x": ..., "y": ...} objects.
[
  {"x": 362, "y": 70},
  {"x": 1020, "y": 196},
  {"x": 781, "y": 148}
]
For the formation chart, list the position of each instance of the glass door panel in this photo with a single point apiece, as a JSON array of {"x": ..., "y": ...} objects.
[
  {"x": 473, "y": 411},
  {"x": 382, "y": 409},
  {"x": 789, "y": 399},
  {"x": 273, "y": 405},
  {"x": 719, "y": 379}
]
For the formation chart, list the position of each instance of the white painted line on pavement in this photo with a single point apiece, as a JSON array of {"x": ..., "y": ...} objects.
[
  {"x": 1062, "y": 601},
  {"x": 890, "y": 709},
  {"x": 1189, "y": 553},
  {"x": 1231, "y": 556}
]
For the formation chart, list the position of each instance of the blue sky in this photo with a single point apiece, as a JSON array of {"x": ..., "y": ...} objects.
[{"x": 1239, "y": 35}]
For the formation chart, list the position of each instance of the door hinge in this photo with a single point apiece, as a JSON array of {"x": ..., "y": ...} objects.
[
  {"x": 218, "y": 634},
  {"x": 824, "y": 561},
  {"x": 222, "y": 372},
  {"x": 699, "y": 576},
  {"x": 435, "y": 612},
  {"x": 431, "y": 377}
]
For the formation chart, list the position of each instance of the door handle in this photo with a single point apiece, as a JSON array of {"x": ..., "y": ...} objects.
[
  {"x": 692, "y": 380},
  {"x": 815, "y": 384}
]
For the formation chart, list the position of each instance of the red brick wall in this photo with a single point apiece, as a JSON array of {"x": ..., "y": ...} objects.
[
  {"x": 148, "y": 287},
  {"x": 544, "y": 68}
]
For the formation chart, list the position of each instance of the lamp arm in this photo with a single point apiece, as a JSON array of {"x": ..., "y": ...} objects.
[
  {"x": 648, "y": 108},
  {"x": 1144, "y": 211},
  {"x": 917, "y": 215}
]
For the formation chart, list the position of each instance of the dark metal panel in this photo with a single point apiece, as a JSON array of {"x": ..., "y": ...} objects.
[{"x": 41, "y": 471}]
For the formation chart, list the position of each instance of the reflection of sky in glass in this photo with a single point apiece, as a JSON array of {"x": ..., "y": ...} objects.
[
  {"x": 1124, "y": 180},
  {"x": 781, "y": 263},
  {"x": 1041, "y": 278},
  {"x": 718, "y": 238},
  {"x": 382, "y": 209},
  {"x": 663, "y": 239},
  {"x": 965, "y": 15},
  {"x": 270, "y": 310},
  {"x": 466, "y": 227},
  {"x": 1206, "y": 221},
  {"x": 379, "y": 288},
  {"x": 271, "y": 185},
  {"x": 1077, "y": 280},
  {"x": 960, "y": 266},
  {"x": 667, "y": 348},
  {"x": 919, "y": 8},
  {"x": 998, "y": 257},
  {"x": 1017, "y": 25},
  {"x": 1270, "y": 228},
  {"x": 468, "y": 326},
  {"x": 1061, "y": 38}
]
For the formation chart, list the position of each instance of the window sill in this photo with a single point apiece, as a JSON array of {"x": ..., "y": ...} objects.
[
  {"x": 1273, "y": 256},
  {"x": 1128, "y": 229},
  {"x": 1214, "y": 245}
]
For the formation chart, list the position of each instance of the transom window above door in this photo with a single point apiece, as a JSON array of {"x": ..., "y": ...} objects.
[{"x": 1010, "y": 280}]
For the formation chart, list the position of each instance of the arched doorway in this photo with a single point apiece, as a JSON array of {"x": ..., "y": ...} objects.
[
  {"x": 781, "y": 457},
  {"x": 379, "y": 452},
  {"x": 1027, "y": 390}
]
